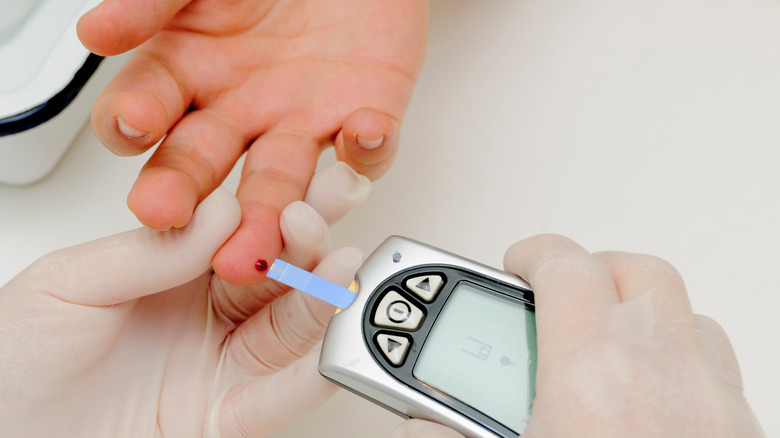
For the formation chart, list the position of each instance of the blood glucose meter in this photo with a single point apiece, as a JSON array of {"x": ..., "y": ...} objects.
[{"x": 435, "y": 336}]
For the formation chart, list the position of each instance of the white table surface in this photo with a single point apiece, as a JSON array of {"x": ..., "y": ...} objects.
[{"x": 648, "y": 126}]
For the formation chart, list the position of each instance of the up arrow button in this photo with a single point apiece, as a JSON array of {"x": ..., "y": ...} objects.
[{"x": 425, "y": 286}]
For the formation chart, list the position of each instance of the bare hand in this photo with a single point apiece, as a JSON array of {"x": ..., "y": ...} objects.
[{"x": 279, "y": 79}]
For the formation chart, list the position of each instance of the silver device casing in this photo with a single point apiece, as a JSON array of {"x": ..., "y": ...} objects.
[{"x": 346, "y": 359}]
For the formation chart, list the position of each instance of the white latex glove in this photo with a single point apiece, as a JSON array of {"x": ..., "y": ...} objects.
[
  {"x": 133, "y": 335},
  {"x": 620, "y": 353}
]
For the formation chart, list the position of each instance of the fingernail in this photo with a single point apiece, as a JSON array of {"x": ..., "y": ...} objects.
[
  {"x": 128, "y": 131},
  {"x": 370, "y": 144}
]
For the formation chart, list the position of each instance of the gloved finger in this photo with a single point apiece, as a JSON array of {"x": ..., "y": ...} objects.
[
  {"x": 265, "y": 405},
  {"x": 652, "y": 295},
  {"x": 191, "y": 161},
  {"x": 423, "y": 429},
  {"x": 718, "y": 351},
  {"x": 332, "y": 192},
  {"x": 368, "y": 142},
  {"x": 277, "y": 170},
  {"x": 126, "y": 266},
  {"x": 336, "y": 190},
  {"x": 573, "y": 290},
  {"x": 287, "y": 329},
  {"x": 638, "y": 274},
  {"x": 307, "y": 241},
  {"x": 116, "y": 26},
  {"x": 306, "y": 235}
]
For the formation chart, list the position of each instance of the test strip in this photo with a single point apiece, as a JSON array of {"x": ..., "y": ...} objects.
[{"x": 311, "y": 284}]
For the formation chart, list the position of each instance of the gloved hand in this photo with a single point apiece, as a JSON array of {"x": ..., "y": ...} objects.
[
  {"x": 134, "y": 335},
  {"x": 620, "y": 353}
]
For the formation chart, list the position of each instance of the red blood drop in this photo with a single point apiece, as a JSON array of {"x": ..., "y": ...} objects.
[{"x": 261, "y": 265}]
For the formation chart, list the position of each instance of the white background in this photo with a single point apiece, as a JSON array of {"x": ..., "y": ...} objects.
[{"x": 648, "y": 126}]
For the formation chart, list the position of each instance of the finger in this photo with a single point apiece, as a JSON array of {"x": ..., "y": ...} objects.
[
  {"x": 423, "y": 429},
  {"x": 336, "y": 190},
  {"x": 116, "y": 26},
  {"x": 140, "y": 105},
  {"x": 126, "y": 266},
  {"x": 332, "y": 193},
  {"x": 266, "y": 405},
  {"x": 191, "y": 162},
  {"x": 277, "y": 170},
  {"x": 368, "y": 142},
  {"x": 306, "y": 241},
  {"x": 287, "y": 329},
  {"x": 573, "y": 290},
  {"x": 718, "y": 351},
  {"x": 638, "y": 274},
  {"x": 305, "y": 234}
]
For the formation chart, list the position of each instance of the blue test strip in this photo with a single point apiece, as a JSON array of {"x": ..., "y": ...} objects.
[{"x": 313, "y": 285}]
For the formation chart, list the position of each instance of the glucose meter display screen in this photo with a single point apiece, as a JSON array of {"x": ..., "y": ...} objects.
[{"x": 482, "y": 351}]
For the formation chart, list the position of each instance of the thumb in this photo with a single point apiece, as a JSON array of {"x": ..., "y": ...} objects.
[
  {"x": 137, "y": 263},
  {"x": 420, "y": 428}
]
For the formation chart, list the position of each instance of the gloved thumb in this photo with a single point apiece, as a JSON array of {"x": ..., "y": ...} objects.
[
  {"x": 137, "y": 263},
  {"x": 415, "y": 428}
]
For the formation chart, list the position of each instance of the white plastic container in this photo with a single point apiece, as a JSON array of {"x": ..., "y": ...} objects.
[
  {"x": 14, "y": 14},
  {"x": 48, "y": 84}
]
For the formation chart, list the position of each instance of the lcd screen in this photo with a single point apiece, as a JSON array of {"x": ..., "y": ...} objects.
[{"x": 482, "y": 351}]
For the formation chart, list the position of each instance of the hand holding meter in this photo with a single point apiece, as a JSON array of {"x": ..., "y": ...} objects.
[{"x": 432, "y": 335}]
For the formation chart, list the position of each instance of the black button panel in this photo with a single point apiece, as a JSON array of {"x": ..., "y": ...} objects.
[{"x": 399, "y": 309}]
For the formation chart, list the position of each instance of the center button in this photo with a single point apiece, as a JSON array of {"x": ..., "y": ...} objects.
[{"x": 397, "y": 312}]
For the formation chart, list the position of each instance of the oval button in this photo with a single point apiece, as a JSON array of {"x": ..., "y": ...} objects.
[{"x": 395, "y": 311}]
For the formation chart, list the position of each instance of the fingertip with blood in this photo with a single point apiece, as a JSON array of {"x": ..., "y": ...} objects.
[
  {"x": 261, "y": 265},
  {"x": 244, "y": 259}
]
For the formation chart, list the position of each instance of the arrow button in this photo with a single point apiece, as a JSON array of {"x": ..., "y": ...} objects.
[
  {"x": 392, "y": 344},
  {"x": 425, "y": 286},
  {"x": 393, "y": 347}
]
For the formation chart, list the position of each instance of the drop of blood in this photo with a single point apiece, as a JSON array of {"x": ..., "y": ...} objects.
[{"x": 261, "y": 265}]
